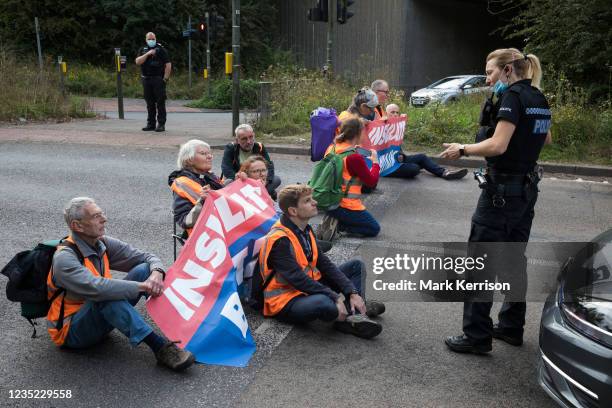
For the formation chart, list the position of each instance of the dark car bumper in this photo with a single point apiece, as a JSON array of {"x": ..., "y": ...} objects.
[{"x": 574, "y": 370}]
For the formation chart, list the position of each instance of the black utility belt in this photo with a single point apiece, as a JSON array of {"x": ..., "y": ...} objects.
[
  {"x": 500, "y": 185},
  {"x": 151, "y": 76}
]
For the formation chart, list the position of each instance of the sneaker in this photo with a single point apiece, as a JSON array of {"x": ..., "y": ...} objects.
[
  {"x": 359, "y": 325},
  {"x": 374, "y": 308},
  {"x": 327, "y": 229},
  {"x": 148, "y": 128},
  {"x": 162, "y": 128},
  {"x": 512, "y": 337},
  {"x": 454, "y": 174},
  {"x": 463, "y": 344},
  {"x": 173, "y": 357}
]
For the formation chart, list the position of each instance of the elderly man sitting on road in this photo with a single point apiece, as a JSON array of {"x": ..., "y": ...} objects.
[
  {"x": 242, "y": 148},
  {"x": 87, "y": 302}
]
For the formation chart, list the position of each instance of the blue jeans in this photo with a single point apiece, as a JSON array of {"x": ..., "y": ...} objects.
[
  {"x": 412, "y": 165},
  {"x": 356, "y": 222},
  {"x": 306, "y": 308},
  {"x": 96, "y": 319}
]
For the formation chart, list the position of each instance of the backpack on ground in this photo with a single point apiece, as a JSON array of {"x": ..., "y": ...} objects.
[
  {"x": 326, "y": 180},
  {"x": 27, "y": 273}
]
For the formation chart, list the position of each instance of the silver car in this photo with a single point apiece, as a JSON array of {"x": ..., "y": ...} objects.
[
  {"x": 576, "y": 330},
  {"x": 449, "y": 89}
]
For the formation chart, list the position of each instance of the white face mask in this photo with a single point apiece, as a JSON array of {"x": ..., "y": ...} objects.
[{"x": 151, "y": 43}]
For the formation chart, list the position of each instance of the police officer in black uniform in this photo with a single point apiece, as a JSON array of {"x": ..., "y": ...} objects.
[
  {"x": 155, "y": 66},
  {"x": 513, "y": 131}
]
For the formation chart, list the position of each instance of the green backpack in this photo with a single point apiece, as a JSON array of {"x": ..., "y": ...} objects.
[{"x": 326, "y": 180}]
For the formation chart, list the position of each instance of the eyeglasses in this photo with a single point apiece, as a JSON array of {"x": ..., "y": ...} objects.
[
  {"x": 385, "y": 92},
  {"x": 394, "y": 113},
  {"x": 259, "y": 171}
]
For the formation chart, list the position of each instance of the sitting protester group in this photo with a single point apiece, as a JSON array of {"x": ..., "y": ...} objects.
[{"x": 300, "y": 283}]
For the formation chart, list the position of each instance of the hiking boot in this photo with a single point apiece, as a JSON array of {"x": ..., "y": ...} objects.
[
  {"x": 463, "y": 344},
  {"x": 148, "y": 128},
  {"x": 173, "y": 357},
  {"x": 327, "y": 229},
  {"x": 374, "y": 308},
  {"x": 359, "y": 325},
  {"x": 162, "y": 128},
  {"x": 454, "y": 174}
]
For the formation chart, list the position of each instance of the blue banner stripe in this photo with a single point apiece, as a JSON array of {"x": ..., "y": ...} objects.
[{"x": 255, "y": 233}]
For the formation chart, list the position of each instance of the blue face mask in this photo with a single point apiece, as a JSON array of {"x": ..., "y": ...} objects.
[
  {"x": 499, "y": 87},
  {"x": 151, "y": 43}
]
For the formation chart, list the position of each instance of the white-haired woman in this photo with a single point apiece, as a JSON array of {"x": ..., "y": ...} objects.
[{"x": 191, "y": 184}]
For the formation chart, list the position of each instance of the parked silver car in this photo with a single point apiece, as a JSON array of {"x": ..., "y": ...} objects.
[{"x": 449, "y": 89}]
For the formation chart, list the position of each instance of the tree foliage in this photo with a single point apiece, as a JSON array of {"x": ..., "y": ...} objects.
[
  {"x": 573, "y": 36},
  {"x": 89, "y": 30}
]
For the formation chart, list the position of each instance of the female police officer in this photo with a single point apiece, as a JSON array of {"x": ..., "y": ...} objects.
[{"x": 520, "y": 124}]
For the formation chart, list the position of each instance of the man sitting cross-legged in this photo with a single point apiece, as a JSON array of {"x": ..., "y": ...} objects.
[{"x": 304, "y": 285}]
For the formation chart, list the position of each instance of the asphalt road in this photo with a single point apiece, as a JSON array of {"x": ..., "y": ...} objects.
[{"x": 406, "y": 366}]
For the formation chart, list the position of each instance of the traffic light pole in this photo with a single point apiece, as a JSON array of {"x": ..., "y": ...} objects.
[
  {"x": 236, "y": 63},
  {"x": 330, "y": 33},
  {"x": 208, "y": 51}
]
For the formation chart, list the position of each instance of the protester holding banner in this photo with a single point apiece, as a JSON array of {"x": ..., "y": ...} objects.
[
  {"x": 301, "y": 284},
  {"x": 411, "y": 165},
  {"x": 87, "y": 303},
  {"x": 351, "y": 216},
  {"x": 191, "y": 184}
]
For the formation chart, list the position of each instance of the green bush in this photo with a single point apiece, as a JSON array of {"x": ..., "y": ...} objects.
[
  {"x": 33, "y": 95},
  {"x": 221, "y": 95},
  {"x": 89, "y": 80}
]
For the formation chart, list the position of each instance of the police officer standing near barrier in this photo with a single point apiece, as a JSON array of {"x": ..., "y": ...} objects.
[
  {"x": 155, "y": 66},
  {"x": 515, "y": 128}
]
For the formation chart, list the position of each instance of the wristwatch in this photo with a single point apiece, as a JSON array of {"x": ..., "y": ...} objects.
[
  {"x": 462, "y": 151},
  {"x": 160, "y": 271}
]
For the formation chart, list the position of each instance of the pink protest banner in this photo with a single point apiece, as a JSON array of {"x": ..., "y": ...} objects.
[
  {"x": 200, "y": 305},
  {"x": 386, "y": 137}
]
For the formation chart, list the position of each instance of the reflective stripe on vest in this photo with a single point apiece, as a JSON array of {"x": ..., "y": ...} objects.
[
  {"x": 278, "y": 292},
  {"x": 189, "y": 190},
  {"x": 70, "y": 306},
  {"x": 352, "y": 197}
]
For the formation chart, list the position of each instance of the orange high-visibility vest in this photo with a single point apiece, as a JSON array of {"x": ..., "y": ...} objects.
[
  {"x": 71, "y": 306},
  {"x": 351, "y": 199},
  {"x": 188, "y": 189},
  {"x": 279, "y": 292}
]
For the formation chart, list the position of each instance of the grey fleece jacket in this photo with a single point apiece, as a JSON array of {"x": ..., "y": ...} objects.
[{"x": 81, "y": 284}]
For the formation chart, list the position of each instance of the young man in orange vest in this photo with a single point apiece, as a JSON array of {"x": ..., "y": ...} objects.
[
  {"x": 93, "y": 303},
  {"x": 302, "y": 284}
]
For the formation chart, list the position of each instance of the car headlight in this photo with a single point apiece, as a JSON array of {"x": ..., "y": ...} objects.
[{"x": 587, "y": 314}]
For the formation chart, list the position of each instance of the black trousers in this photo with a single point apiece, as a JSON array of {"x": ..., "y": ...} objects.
[
  {"x": 510, "y": 223},
  {"x": 155, "y": 96}
]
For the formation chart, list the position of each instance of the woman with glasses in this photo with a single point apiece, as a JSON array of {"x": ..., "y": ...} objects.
[{"x": 193, "y": 181}]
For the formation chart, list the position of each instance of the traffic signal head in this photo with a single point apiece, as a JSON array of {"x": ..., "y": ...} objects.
[
  {"x": 202, "y": 27},
  {"x": 343, "y": 14},
  {"x": 217, "y": 23},
  {"x": 319, "y": 12}
]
